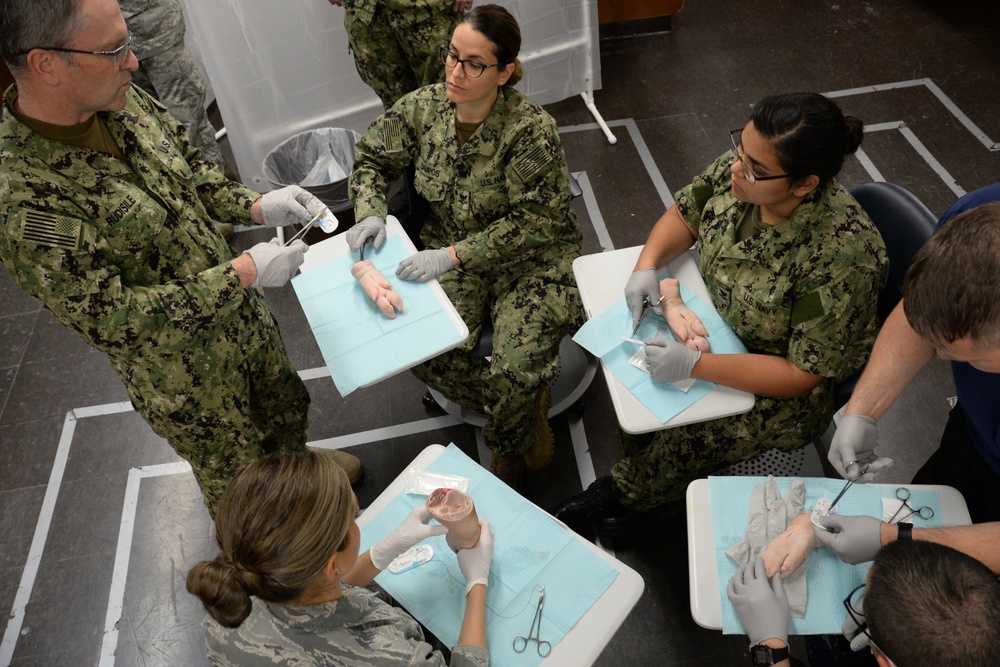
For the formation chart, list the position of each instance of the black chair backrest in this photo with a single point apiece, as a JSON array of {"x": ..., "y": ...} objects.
[{"x": 905, "y": 225}]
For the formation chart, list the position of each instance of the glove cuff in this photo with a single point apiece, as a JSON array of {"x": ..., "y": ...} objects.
[
  {"x": 380, "y": 557},
  {"x": 470, "y": 584}
]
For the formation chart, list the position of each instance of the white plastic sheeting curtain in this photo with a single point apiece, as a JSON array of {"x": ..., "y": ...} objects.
[{"x": 280, "y": 68}]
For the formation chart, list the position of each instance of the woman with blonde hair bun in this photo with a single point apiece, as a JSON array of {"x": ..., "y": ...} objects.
[{"x": 287, "y": 587}]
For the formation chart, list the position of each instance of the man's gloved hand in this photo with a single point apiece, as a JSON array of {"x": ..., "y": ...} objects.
[
  {"x": 475, "y": 562},
  {"x": 852, "y": 631},
  {"x": 668, "y": 360},
  {"x": 414, "y": 529},
  {"x": 642, "y": 284},
  {"x": 425, "y": 265},
  {"x": 288, "y": 206},
  {"x": 855, "y": 539},
  {"x": 853, "y": 446},
  {"x": 372, "y": 227},
  {"x": 276, "y": 264},
  {"x": 760, "y": 604}
]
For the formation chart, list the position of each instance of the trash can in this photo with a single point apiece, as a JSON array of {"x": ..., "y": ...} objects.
[{"x": 318, "y": 160}]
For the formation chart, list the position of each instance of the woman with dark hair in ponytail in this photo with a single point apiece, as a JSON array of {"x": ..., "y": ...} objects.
[
  {"x": 793, "y": 265},
  {"x": 287, "y": 586},
  {"x": 500, "y": 236}
]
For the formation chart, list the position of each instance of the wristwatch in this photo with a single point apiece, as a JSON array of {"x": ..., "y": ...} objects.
[
  {"x": 762, "y": 655},
  {"x": 905, "y": 531}
]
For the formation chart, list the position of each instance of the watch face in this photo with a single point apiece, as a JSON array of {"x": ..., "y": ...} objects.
[{"x": 765, "y": 656}]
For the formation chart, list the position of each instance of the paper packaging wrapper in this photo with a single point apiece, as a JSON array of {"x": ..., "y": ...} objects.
[{"x": 456, "y": 511}]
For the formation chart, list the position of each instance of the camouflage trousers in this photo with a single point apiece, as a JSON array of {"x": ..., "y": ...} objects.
[
  {"x": 222, "y": 422},
  {"x": 656, "y": 468},
  {"x": 399, "y": 51},
  {"x": 530, "y": 317},
  {"x": 174, "y": 79}
]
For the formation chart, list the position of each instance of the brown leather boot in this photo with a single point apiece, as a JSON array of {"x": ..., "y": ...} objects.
[
  {"x": 541, "y": 453},
  {"x": 351, "y": 464},
  {"x": 509, "y": 470}
]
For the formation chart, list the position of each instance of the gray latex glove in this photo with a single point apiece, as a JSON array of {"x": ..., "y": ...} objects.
[
  {"x": 289, "y": 206},
  {"x": 276, "y": 264},
  {"x": 475, "y": 562},
  {"x": 668, "y": 360},
  {"x": 425, "y": 265},
  {"x": 642, "y": 284},
  {"x": 372, "y": 227},
  {"x": 852, "y": 631},
  {"x": 855, "y": 539},
  {"x": 413, "y": 530},
  {"x": 854, "y": 446},
  {"x": 760, "y": 604}
]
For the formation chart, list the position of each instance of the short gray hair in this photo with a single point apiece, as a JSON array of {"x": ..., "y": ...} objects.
[{"x": 30, "y": 24}]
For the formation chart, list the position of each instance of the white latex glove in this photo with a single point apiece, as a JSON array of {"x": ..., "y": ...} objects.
[
  {"x": 852, "y": 631},
  {"x": 475, "y": 562},
  {"x": 414, "y": 529},
  {"x": 276, "y": 264},
  {"x": 855, "y": 539},
  {"x": 372, "y": 227},
  {"x": 425, "y": 265},
  {"x": 642, "y": 284},
  {"x": 668, "y": 360},
  {"x": 289, "y": 206},
  {"x": 854, "y": 446},
  {"x": 760, "y": 604}
]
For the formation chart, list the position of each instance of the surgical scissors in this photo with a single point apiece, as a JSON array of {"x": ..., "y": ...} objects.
[
  {"x": 543, "y": 647},
  {"x": 849, "y": 484},
  {"x": 903, "y": 494}
]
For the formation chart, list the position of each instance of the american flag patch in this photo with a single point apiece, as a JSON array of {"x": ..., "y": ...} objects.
[
  {"x": 392, "y": 134},
  {"x": 529, "y": 164},
  {"x": 49, "y": 229}
]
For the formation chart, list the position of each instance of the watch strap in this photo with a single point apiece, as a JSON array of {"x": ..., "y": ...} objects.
[
  {"x": 905, "y": 531},
  {"x": 762, "y": 655}
]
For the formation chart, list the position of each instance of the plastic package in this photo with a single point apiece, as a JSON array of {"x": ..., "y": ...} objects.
[
  {"x": 456, "y": 511},
  {"x": 823, "y": 508},
  {"x": 425, "y": 483},
  {"x": 411, "y": 558}
]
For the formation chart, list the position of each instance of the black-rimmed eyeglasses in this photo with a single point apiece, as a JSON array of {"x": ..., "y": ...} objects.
[
  {"x": 470, "y": 67},
  {"x": 119, "y": 55},
  {"x": 736, "y": 136},
  {"x": 851, "y": 603}
]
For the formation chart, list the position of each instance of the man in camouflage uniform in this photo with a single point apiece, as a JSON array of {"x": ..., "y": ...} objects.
[
  {"x": 502, "y": 201},
  {"x": 105, "y": 219},
  {"x": 396, "y": 43},
  {"x": 166, "y": 70}
]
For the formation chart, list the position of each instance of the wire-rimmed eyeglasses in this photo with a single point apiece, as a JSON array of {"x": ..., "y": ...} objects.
[
  {"x": 118, "y": 55},
  {"x": 736, "y": 136},
  {"x": 471, "y": 68},
  {"x": 851, "y": 603}
]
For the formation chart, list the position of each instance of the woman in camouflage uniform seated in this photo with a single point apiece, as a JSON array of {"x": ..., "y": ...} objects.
[
  {"x": 793, "y": 265},
  {"x": 286, "y": 588},
  {"x": 500, "y": 236}
]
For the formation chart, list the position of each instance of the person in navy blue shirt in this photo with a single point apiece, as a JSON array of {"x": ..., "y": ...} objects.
[{"x": 951, "y": 308}]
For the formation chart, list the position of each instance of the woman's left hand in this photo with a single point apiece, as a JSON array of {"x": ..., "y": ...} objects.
[
  {"x": 668, "y": 360},
  {"x": 426, "y": 265}
]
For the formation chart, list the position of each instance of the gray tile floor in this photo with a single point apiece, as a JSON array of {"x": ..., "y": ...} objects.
[{"x": 75, "y": 460}]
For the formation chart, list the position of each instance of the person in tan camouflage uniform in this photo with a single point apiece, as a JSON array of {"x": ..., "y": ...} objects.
[
  {"x": 501, "y": 235},
  {"x": 396, "y": 42},
  {"x": 167, "y": 71},
  {"x": 793, "y": 265},
  {"x": 106, "y": 220}
]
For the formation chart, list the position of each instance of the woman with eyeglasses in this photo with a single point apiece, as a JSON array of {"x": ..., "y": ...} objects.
[
  {"x": 792, "y": 264},
  {"x": 288, "y": 586},
  {"x": 500, "y": 236}
]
